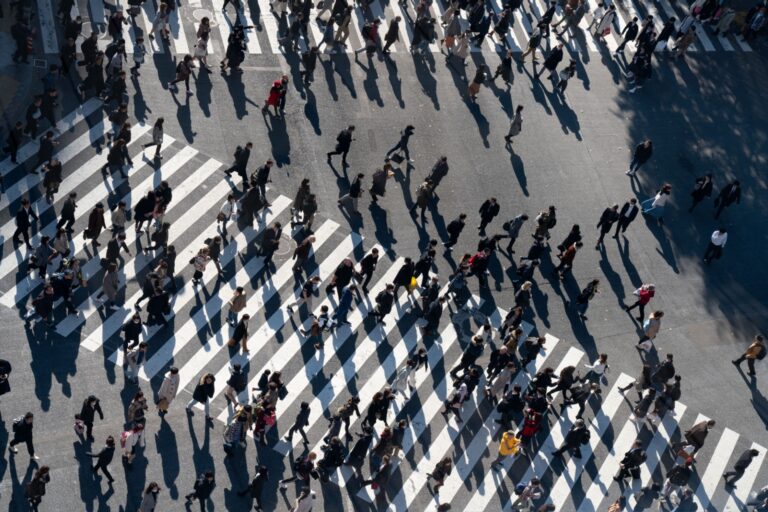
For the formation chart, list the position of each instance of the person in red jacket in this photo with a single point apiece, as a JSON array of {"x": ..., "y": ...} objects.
[{"x": 644, "y": 295}]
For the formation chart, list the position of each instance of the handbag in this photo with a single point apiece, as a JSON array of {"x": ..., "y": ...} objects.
[{"x": 398, "y": 158}]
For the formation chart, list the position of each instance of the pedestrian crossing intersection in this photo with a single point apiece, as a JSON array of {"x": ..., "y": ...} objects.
[
  {"x": 266, "y": 30},
  {"x": 358, "y": 359}
]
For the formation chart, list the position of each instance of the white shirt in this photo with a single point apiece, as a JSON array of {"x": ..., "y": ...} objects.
[
  {"x": 660, "y": 200},
  {"x": 598, "y": 367},
  {"x": 228, "y": 209},
  {"x": 719, "y": 238}
]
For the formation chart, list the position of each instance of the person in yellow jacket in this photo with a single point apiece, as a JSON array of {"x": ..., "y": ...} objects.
[{"x": 509, "y": 445}]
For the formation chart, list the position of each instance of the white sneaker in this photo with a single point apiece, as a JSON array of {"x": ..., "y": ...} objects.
[{"x": 283, "y": 487}]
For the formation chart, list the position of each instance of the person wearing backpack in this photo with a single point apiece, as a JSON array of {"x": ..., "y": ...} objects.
[
  {"x": 755, "y": 351},
  {"x": 22, "y": 433},
  {"x": 576, "y": 436}
]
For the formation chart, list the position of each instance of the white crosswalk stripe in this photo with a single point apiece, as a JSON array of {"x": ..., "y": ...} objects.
[{"x": 359, "y": 359}]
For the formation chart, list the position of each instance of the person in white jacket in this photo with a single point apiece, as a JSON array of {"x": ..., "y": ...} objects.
[
  {"x": 227, "y": 212},
  {"x": 605, "y": 23},
  {"x": 130, "y": 439},
  {"x": 406, "y": 375}
]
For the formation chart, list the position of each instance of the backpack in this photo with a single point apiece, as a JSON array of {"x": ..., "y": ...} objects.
[
  {"x": 238, "y": 151},
  {"x": 520, "y": 488},
  {"x": 761, "y": 355}
]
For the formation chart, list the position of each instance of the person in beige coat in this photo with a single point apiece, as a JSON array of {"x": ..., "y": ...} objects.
[
  {"x": 109, "y": 287},
  {"x": 168, "y": 390},
  {"x": 754, "y": 351},
  {"x": 236, "y": 305},
  {"x": 651, "y": 328}
]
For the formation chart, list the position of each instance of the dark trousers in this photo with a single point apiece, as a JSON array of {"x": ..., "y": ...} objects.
[
  {"x": 300, "y": 430},
  {"x": 402, "y": 147},
  {"x": 603, "y": 231},
  {"x": 23, "y": 232},
  {"x": 574, "y": 450},
  {"x": 622, "y": 45},
  {"x": 720, "y": 209},
  {"x": 638, "y": 305},
  {"x": 30, "y": 446},
  {"x": 452, "y": 240},
  {"x": 342, "y": 153},
  {"x": 635, "y": 165},
  {"x": 713, "y": 252},
  {"x": 185, "y": 80},
  {"x": 104, "y": 469},
  {"x": 367, "y": 280},
  {"x": 731, "y": 476},
  {"x": 621, "y": 225},
  {"x": 484, "y": 223},
  {"x": 66, "y": 222},
  {"x": 750, "y": 363}
]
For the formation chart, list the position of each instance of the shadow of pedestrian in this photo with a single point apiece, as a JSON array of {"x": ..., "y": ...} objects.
[{"x": 165, "y": 440}]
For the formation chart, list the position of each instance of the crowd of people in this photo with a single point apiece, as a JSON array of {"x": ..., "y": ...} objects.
[{"x": 521, "y": 412}]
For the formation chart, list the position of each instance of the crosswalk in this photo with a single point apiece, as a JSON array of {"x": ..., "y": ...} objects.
[
  {"x": 267, "y": 30},
  {"x": 358, "y": 359}
]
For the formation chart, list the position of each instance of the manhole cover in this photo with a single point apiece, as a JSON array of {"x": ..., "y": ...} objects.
[
  {"x": 287, "y": 245},
  {"x": 199, "y": 14}
]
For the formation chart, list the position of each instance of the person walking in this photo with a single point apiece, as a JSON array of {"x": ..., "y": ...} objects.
[
  {"x": 488, "y": 211},
  {"x": 627, "y": 214},
  {"x": 343, "y": 144},
  {"x": 442, "y": 470},
  {"x": 739, "y": 467},
  {"x": 308, "y": 290},
  {"x": 755, "y": 351},
  {"x": 104, "y": 458},
  {"x": 515, "y": 126},
  {"x": 240, "y": 334},
  {"x": 301, "y": 254},
  {"x": 402, "y": 144},
  {"x": 566, "y": 260},
  {"x": 22, "y": 433},
  {"x": 476, "y": 82},
  {"x": 603, "y": 27},
  {"x": 367, "y": 267},
  {"x": 202, "y": 394},
  {"x": 379, "y": 182},
  {"x": 577, "y": 435},
  {"x": 392, "y": 35},
  {"x": 697, "y": 434},
  {"x": 91, "y": 407},
  {"x": 677, "y": 479},
  {"x": 349, "y": 200},
  {"x": 642, "y": 154},
  {"x": 157, "y": 138},
  {"x": 629, "y": 33},
  {"x": 168, "y": 389},
  {"x": 651, "y": 328},
  {"x": 629, "y": 467},
  {"x": 384, "y": 302},
  {"x": 96, "y": 223},
  {"x": 644, "y": 295},
  {"x": 730, "y": 194},
  {"x": 586, "y": 295},
  {"x": 301, "y": 421},
  {"x": 701, "y": 189},
  {"x": 203, "y": 488},
  {"x": 610, "y": 216},
  {"x": 715, "y": 246},
  {"x": 655, "y": 206},
  {"x": 35, "y": 489},
  {"x": 509, "y": 445},
  {"x": 550, "y": 63},
  {"x": 183, "y": 72},
  {"x": 149, "y": 499},
  {"x": 454, "y": 229},
  {"x": 534, "y": 42},
  {"x": 504, "y": 69},
  {"x": 256, "y": 487},
  {"x": 342, "y": 276},
  {"x": 423, "y": 198},
  {"x": 23, "y": 223},
  {"x": 240, "y": 165}
]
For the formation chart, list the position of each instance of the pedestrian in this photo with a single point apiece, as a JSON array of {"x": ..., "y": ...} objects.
[
  {"x": 729, "y": 195},
  {"x": 303, "y": 469},
  {"x": 488, "y": 211},
  {"x": 104, "y": 458},
  {"x": 509, "y": 445},
  {"x": 168, "y": 389},
  {"x": 609, "y": 216},
  {"x": 566, "y": 260},
  {"x": 701, "y": 189},
  {"x": 642, "y": 154},
  {"x": 183, "y": 72},
  {"x": 515, "y": 127},
  {"x": 304, "y": 501},
  {"x": 384, "y": 301},
  {"x": 629, "y": 467},
  {"x": 551, "y": 62},
  {"x": 343, "y": 143},
  {"x": 565, "y": 75},
  {"x": 654, "y": 206},
  {"x": 23, "y": 216},
  {"x": 677, "y": 479},
  {"x": 577, "y": 435},
  {"x": 629, "y": 33},
  {"x": 22, "y": 433},
  {"x": 683, "y": 42},
  {"x": 755, "y": 351},
  {"x": 260, "y": 178},
  {"x": 35, "y": 489},
  {"x": 697, "y": 434},
  {"x": 203, "y": 489},
  {"x": 586, "y": 295},
  {"x": 477, "y": 81},
  {"x": 367, "y": 267},
  {"x": 240, "y": 334},
  {"x": 739, "y": 467},
  {"x": 716, "y": 244},
  {"x": 392, "y": 35},
  {"x": 402, "y": 144},
  {"x": 454, "y": 403},
  {"x": 423, "y": 199},
  {"x": 534, "y": 41},
  {"x": 256, "y": 487},
  {"x": 202, "y": 394},
  {"x": 627, "y": 214},
  {"x": 350, "y": 199},
  {"x": 443, "y": 470},
  {"x": 14, "y": 140},
  {"x": 134, "y": 360},
  {"x": 454, "y": 229},
  {"x": 129, "y": 440},
  {"x": 644, "y": 295},
  {"x": 529, "y": 493},
  {"x": 157, "y": 138},
  {"x": 603, "y": 27},
  {"x": 91, "y": 406},
  {"x": 149, "y": 499}
]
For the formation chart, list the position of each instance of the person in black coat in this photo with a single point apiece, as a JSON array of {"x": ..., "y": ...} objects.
[
  {"x": 433, "y": 314},
  {"x": 301, "y": 421},
  {"x": 270, "y": 241},
  {"x": 469, "y": 357},
  {"x": 91, "y": 406},
  {"x": 367, "y": 267},
  {"x": 701, "y": 189},
  {"x": 629, "y": 467},
  {"x": 423, "y": 266},
  {"x": 629, "y": 32},
  {"x": 609, "y": 216},
  {"x": 256, "y": 487},
  {"x": 384, "y": 302},
  {"x": 5, "y": 371},
  {"x": 402, "y": 144},
  {"x": 454, "y": 229},
  {"x": 14, "y": 140},
  {"x": 342, "y": 276},
  {"x": 627, "y": 214},
  {"x": 551, "y": 62},
  {"x": 103, "y": 458},
  {"x": 357, "y": 455},
  {"x": 744, "y": 460},
  {"x": 642, "y": 154},
  {"x": 132, "y": 329},
  {"x": 204, "y": 486},
  {"x": 729, "y": 195},
  {"x": 240, "y": 165},
  {"x": 343, "y": 143},
  {"x": 404, "y": 275},
  {"x": 202, "y": 394},
  {"x": 488, "y": 210},
  {"x": 576, "y": 436},
  {"x": 157, "y": 307},
  {"x": 22, "y": 433},
  {"x": 143, "y": 210},
  {"x": 23, "y": 224}
]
